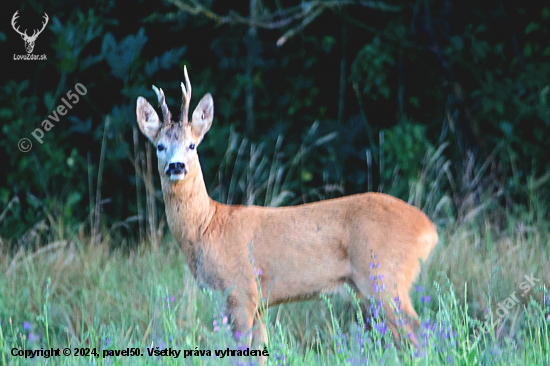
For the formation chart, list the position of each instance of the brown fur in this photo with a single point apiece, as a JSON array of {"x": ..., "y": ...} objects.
[{"x": 302, "y": 251}]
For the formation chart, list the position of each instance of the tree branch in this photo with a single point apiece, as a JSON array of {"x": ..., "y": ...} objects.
[{"x": 302, "y": 14}]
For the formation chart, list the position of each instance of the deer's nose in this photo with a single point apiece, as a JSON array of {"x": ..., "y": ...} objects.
[{"x": 175, "y": 168}]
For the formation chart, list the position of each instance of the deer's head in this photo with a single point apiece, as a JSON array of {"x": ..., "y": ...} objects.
[
  {"x": 29, "y": 40},
  {"x": 176, "y": 142}
]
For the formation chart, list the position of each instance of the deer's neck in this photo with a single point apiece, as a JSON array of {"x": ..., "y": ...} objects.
[{"x": 189, "y": 209}]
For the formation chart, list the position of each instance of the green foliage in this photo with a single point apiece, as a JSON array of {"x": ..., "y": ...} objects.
[
  {"x": 71, "y": 39},
  {"x": 404, "y": 143},
  {"x": 121, "y": 56},
  {"x": 371, "y": 67}
]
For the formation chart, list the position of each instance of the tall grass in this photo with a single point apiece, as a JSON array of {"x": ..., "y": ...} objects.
[{"x": 82, "y": 296}]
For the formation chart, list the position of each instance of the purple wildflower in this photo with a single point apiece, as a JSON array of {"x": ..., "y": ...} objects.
[{"x": 26, "y": 325}]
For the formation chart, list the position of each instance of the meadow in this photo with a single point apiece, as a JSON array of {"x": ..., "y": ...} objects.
[{"x": 482, "y": 297}]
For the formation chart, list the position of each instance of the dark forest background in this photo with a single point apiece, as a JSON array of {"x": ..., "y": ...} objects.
[{"x": 363, "y": 92}]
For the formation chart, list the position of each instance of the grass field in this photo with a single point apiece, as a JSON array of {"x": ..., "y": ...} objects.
[{"x": 482, "y": 296}]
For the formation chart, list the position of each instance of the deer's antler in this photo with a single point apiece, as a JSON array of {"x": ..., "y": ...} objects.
[
  {"x": 24, "y": 34},
  {"x": 13, "y": 19},
  {"x": 35, "y": 34},
  {"x": 162, "y": 102},
  {"x": 186, "y": 96}
]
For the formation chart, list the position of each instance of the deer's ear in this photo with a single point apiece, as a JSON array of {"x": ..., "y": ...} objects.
[
  {"x": 148, "y": 119},
  {"x": 203, "y": 116}
]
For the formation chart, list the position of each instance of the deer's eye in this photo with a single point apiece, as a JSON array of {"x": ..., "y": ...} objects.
[
  {"x": 192, "y": 146},
  {"x": 161, "y": 147}
]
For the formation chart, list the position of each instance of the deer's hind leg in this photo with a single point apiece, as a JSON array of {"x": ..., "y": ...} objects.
[{"x": 381, "y": 290}]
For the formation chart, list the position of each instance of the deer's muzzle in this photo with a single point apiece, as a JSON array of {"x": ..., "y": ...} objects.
[{"x": 176, "y": 171}]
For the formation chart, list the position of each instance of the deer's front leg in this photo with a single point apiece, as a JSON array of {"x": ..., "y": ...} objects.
[
  {"x": 242, "y": 305},
  {"x": 259, "y": 333},
  {"x": 248, "y": 328}
]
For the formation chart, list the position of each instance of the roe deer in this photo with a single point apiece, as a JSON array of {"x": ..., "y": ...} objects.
[{"x": 302, "y": 251}]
